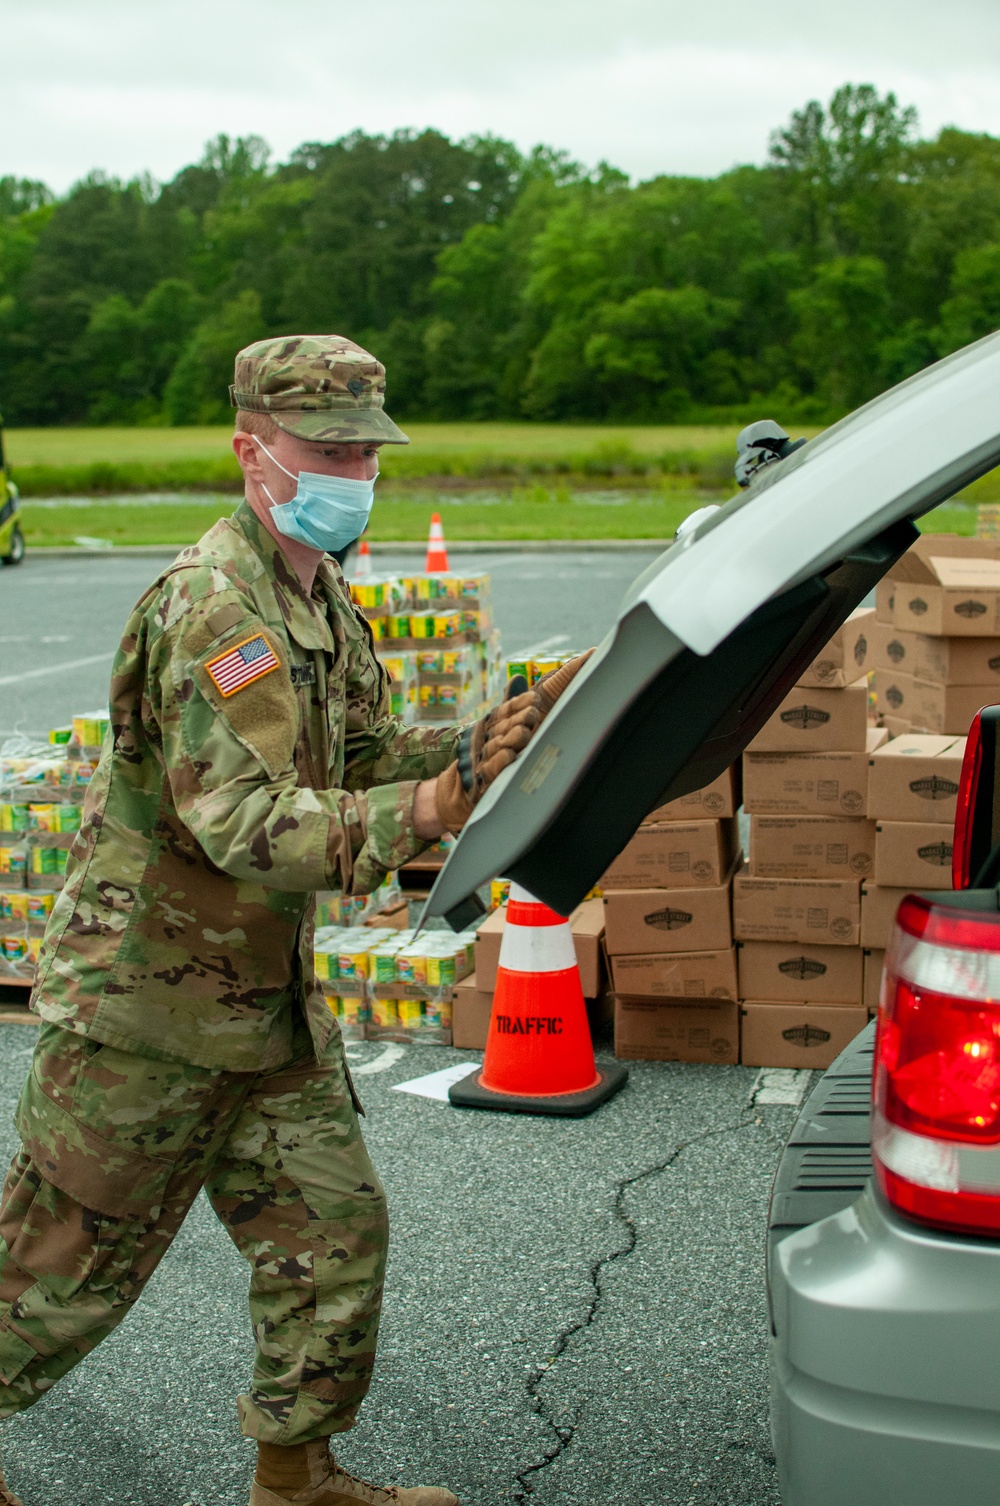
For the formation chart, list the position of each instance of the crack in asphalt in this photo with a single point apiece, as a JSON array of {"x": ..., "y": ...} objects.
[{"x": 564, "y": 1435}]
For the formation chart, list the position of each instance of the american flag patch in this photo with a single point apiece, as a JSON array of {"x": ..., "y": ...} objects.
[{"x": 240, "y": 666}]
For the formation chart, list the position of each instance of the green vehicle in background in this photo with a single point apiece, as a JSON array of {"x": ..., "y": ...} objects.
[{"x": 11, "y": 537}]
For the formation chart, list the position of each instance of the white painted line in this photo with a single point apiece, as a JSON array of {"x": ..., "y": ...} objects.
[
  {"x": 386, "y": 1058},
  {"x": 543, "y": 646},
  {"x": 436, "y": 1084},
  {"x": 56, "y": 669},
  {"x": 780, "y": 1085}
]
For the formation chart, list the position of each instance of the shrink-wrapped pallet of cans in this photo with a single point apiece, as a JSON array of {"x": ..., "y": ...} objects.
[
  {"x": 42, "y": 790},
  {"x": 435, "y": 636},
  {"x": 392, "y": 985}
]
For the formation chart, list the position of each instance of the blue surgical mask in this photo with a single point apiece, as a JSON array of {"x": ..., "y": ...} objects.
[{"x": 327, "y": 512}]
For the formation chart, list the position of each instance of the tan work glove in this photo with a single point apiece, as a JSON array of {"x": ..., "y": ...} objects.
[
  {"x": 484, "y": 750},
  {"x": 551, "y": 686},
  {"x": 490, "y": 745}
]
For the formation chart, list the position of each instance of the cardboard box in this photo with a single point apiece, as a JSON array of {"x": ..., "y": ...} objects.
[
  {"x": 810, "y": 721},
  {"x": 913, "y": 567},
  {"x": 957, "y": 597},
  {"x": 811, "y": 846},
  {"x": 587, "y": 925},
  {"x": 675, "y": 855},
  {"x": 893, "y": 692},
  {"x": 896, "y": 726},
  {"x": 675, "y": 1030},
  {"x": 796, "y": 1035},
  {"x": 809, "y": 784},
  {"x": 914, "y": 854},
  {"x": 683, "y": 920},
  {"x": 779, "y": 970},
  {"x": 470, "y": 1015},
  {"x": 915, "y": 778},
  {"x": 676, "y": 975},
  {"x": 849, "y": 653},
  {"x": 951, "y": 661},
  {"x": 807, "y": 911},
  {"x": 717, "y": 800},
  {"x": 878, "y": 912},
  {"x": 874, "y": 958},
  {"x": 947, "y": 708}
]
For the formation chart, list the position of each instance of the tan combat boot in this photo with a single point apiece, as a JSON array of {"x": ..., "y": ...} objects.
[
  {"x": 307, "y": 1475},
  {"x": 7, "y": 1496}
]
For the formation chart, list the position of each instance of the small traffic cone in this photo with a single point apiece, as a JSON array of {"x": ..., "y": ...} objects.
[
  {"x": 363, "y": 564},
  {"x": 539, "y": 1057},
  {"x": 437, "y": 554}
]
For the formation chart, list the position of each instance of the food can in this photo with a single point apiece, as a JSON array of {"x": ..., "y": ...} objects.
[
  {"x": 383, "y": 965},
  {"x": 385, "y": 1012},
  {"x": 38, "y": 904},
  {"x": 410, "y": 1016},
  {"x": 411, "y": 964},
  {"x": 14, "y": 948},
  {"x": 353, "y": 964},
  {"x": 441, "y": 972},
  {"x": 540, "y": 667},
  {"x": 499, "y": 892}
]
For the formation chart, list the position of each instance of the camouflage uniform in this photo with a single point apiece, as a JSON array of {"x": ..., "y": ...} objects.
[{"x": 186, "y": 1042}]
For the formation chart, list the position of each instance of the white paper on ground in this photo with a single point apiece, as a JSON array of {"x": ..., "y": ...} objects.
[
  {"x": 436, "y": 1084},
  {"x": 780, "y": 1085}
]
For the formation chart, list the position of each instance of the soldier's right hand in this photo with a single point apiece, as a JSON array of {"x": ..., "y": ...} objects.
[{"x": 484, "y": 751}]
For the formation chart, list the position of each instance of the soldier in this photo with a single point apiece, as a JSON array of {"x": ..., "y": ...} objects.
[{"x": 251, "y": 760}]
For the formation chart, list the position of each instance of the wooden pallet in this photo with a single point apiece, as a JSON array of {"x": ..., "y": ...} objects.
[{"x": 14, "y": 995}]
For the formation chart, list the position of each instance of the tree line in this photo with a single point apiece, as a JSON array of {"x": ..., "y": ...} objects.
[{"x": 495, "y": 284}]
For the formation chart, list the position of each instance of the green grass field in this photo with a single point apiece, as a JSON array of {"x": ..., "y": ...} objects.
[
  {"x": 70, "y": 462},
  {"x": 521, "y": 515},
  {"x": 116, "y": 446},
  {"x": 489, "y": 481}
]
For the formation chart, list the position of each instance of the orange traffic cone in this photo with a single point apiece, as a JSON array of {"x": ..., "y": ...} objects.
[
  {"x": 363, "y": 564},
  {"x": 539, "y": 1057},
  {"x": 437, "y": 554}
]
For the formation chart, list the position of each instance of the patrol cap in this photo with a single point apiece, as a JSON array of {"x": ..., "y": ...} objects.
[{"x": 317, "y": 387}]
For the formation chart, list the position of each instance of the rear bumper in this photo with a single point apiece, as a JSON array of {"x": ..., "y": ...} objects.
[{"x": 885, "y": 1363}]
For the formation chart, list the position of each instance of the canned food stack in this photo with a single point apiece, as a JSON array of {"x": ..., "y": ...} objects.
[
  {"x": 435, "y": 636},
  {"x": 384, "y": 984},
  {"x": 668, "y": 930},
  {"x": 937, "y": 638},
  {"x": 42, "y": 790},
  {"x": 346, "y": 910},
  {"x": 797, "y": 903},
  {"x": 912, "y": 797}
]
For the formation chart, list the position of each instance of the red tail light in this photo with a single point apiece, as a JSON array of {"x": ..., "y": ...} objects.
[
  {"x": 936, "y": 1114},
  {"x": 968, "y": 788}
]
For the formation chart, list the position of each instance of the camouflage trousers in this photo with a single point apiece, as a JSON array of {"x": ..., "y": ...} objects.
[{"x": 116, "y": 1147}]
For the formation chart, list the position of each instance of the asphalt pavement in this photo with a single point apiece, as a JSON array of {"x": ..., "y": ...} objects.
[
  {"x": 61, "y": 618},
  {"x": 575, "y": 1311}
]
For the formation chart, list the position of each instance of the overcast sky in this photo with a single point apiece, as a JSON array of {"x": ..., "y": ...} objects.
[{"x": 650, "y": 85}]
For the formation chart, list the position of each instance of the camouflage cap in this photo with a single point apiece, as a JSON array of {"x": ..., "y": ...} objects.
[{"x": 318, "y": 387}]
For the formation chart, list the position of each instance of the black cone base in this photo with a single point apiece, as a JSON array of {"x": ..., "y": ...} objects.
[{"x": 468, "y": 1094}]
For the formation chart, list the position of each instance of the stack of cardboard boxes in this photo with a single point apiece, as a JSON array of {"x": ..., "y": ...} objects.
[
  {"x": 912, "y": 795},
  {"x": 668, "y": 931},
  {"x": 937, "y": 639},
  {"x": 797, "y": 904}
]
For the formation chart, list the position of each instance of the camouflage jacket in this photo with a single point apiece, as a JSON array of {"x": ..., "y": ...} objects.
[{"x": 185, "y": 927}]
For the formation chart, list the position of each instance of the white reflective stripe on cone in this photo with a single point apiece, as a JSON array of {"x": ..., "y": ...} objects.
[
  {"x": 537, "y": 949},
  {"x": 516, "y": 892}
]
